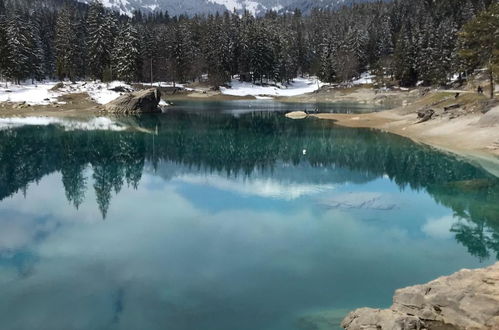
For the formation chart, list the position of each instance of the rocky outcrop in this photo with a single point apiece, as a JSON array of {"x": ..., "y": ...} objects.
[
  {"x": 466, "y": 300},
  {"x": 144, "y": 101}
]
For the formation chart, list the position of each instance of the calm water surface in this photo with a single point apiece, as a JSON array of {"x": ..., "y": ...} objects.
[{"x": 217, "y": 220}]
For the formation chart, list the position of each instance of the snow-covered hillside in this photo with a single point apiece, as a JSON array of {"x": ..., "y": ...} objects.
[{"x": 176, "y": 7}]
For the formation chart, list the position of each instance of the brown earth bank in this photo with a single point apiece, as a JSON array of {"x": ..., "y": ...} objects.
[
  {"x": 75, "y": 106},
  {"x": 466, "y": 300}
]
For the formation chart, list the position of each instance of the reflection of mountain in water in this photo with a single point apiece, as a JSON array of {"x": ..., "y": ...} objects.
[{"x": 252, "y": 146}]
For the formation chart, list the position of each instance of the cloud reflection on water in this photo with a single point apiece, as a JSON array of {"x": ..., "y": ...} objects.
[{"x": 171, "y": 264}]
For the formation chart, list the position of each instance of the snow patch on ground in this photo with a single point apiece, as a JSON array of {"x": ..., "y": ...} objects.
[
  {"x": 99, "y": 92},
  {"x": 299, "y": 86},
  {"x": 365, "y": 78},
  {"x": 32, "y": 94},
  {"x": 42, "y": 93},
  {"x": 98, "y": 123},
  {"x": 167, "y": 84}
]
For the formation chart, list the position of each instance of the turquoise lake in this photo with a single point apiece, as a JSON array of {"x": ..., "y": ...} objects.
[{"x": 228, "y": 216}]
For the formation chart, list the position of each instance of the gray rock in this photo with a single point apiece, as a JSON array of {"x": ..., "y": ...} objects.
[
  {"x": 491, "y": 118},
  {"x": 466, "y": 300},
  {"x": 377, "y": 319},
  {"x": 57, "y": 86},
  {"x": 144, "y": 101}
]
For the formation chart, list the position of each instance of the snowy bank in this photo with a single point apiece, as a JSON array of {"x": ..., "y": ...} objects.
[
  {"x": 32, "y": 94},
  {"x": 299, "y": 86},
  {"x": 101, "y": 93},
  {"x": 99, "y": 123},
  {"x": 43, "y": 93}
]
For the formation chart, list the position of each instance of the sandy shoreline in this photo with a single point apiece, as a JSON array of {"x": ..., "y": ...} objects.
[{"x": 463, "y": 136}]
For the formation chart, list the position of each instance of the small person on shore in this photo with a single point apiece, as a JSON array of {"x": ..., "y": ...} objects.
[{"x": 480, "y": 90}]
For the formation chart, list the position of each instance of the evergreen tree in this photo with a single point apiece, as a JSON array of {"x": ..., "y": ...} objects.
[
  {"x": 68, "y": 53},
  {"x": 260, "y": 55},
  {"x": 126, "y": 53},
  {"x": 480, "y": 43},
  {"x": 405, "y": 57},
  {"x": 100, "y": 28},
  {"x": 35, "y": 51},
  {"x": 384, "y": 46},
  {"x": 149, "y": 51},
  {"x": 47, "y": 22},
  {"x": 445, "y": 58},
  {"x": 356, "y": 43},
  {"x": 180, "y": 52},
  {"x": 300, "y": 46},
  {"x": 327, "y": 70},
  {"x": 4, "y": 48},
  {"x": 411, "y": 40},
  {"x": 19, "y": 49}
]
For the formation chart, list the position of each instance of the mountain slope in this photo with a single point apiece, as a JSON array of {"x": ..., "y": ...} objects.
[{"x": 191, "y": 7}]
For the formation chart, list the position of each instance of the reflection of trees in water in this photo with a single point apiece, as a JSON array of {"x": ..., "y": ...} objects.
[
  {"x": 29, "y": 153},
  {"x": 250, "y": 145},
  {"x": 72, "y": 168},
  {"x": 475, "y": 204}
]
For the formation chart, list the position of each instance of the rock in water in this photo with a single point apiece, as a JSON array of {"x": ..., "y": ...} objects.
[
  {"x": 144, "y": 101},
  {"x": 468, "y": 299},
  {"x": 297, "y": 115}
]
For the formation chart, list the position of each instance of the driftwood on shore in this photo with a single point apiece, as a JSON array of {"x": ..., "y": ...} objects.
[
  {"x": 452, "y": 106},
  {"x": 425, "y": 115}
]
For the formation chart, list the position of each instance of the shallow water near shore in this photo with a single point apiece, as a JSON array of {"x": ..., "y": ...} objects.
[
  {"x": 239, "y": 107},
  {"x": 213, "y": 218}
]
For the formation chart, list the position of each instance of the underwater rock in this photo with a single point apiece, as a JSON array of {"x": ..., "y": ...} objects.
[{"x": 361, "y": 200}]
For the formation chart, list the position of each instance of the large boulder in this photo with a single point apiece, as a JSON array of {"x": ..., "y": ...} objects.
[
  {"x": 466, "y": 300},
  {"x": 143, "y": 101}
]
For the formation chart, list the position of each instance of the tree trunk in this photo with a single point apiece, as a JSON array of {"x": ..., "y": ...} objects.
[
  {"x": 151, "y": 71},
  {"x": 492, "y": 87}
]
